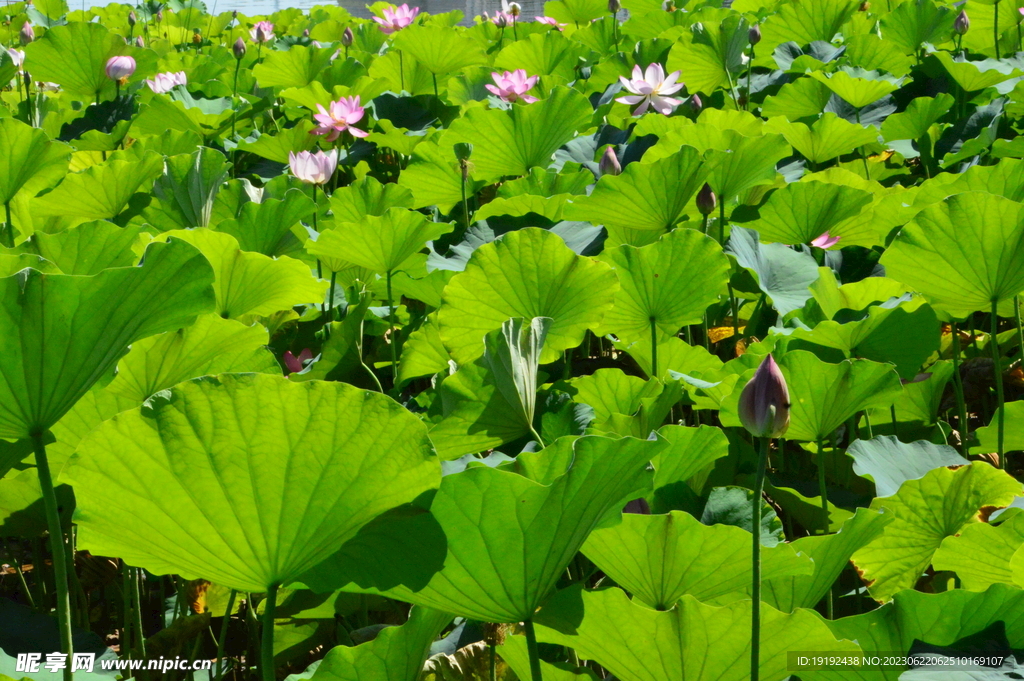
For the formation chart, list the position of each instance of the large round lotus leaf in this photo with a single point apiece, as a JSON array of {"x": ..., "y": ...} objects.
[
  {"x": 28, "y": 159},
  {"x": 963, "y": 254},
  {"x": 246, "y": 479},
  {"x": 440, "y": 50},
  {"x": 60, "y": 333},
  {"x": 657, "y": 286},
  {"x": 529, "y": 273},
  {"x": 802, "y": 211}
]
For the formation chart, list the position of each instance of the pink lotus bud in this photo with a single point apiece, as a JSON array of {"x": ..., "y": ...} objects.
[
  {"x": 305, "y": 33},
  {"x": 961, "y": 23},
  {"x": 293, "y": 363},
  {"x": 139, "y": 42},
  {"x": 238, "y": 48},
  {"x": 132, "y": 19},
  {"x": 695, "y": 104},
  {"x": 609, "y": 164},
  {"x": 706, "y": 200},
  {"x": 26, "y": 35},
  {"x": 313, "y": 168},
  {"x": 764, "y": 402},
  {"x": 754, "y": 34},
  {"x": 159, "y": 15},
  {"x": 825, "y": 241},
  {"x": 120, "y": 68},
  {"x": 347, "y": 37}
]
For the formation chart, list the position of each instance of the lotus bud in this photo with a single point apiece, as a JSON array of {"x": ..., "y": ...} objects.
[
  {"x": 706, "y": 200},
  {"x": 160, "y": 15},
  {"x": 463, "y": 150},
  {"x": 305, "y": 34},
  {"x": 197, "y": 38},
  {"x": 961, "y": 24},
  {"x": 238, "y": 48},
  {"x": 26, "y": 35},
  {"x": 609, "y": 164},
  {"x": 139, "y": 41},
  {"x": 764, "y": 402},
  {"x": 120, "y": 68},
  {"x": 347, "y": 37},
  {"x": 614, "y": 6},
  {"x": 754, "y": 34},
  {"x": 696, "y": 105},
  {"x": 132, "y": 19},
  {"x": 234, "y": 15}
]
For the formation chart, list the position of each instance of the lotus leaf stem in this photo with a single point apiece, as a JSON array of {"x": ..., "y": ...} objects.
[
  {"x": 958, "y": 389},
  {"x": 531, "y": 648},
  {"x": 267, "y": 646},
  {"x": 755, "y": 562},
  {"x": 997, "y": 367}
]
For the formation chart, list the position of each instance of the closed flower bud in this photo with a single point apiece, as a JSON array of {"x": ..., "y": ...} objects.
[
  {"x": 962, "y": 23},
  {"x": 695, "y": 104},
  {"x": 238, "y": 48},
  {"x": 754, "y": 34},
  {"x": 132, "y": 19},
  {"x": 26, "y": 35},
  {"x": 305, "y": 34},
  {"x": 764, "y": 402},
  {"x": 139, "y": 42},
  {"x": 609, "y": 164},
  {"x": 706, "y": 200},
  {"x": 347, "y": 37},
  {"x": 614, "y": 6},
  {"x": 160, "y": 15}
]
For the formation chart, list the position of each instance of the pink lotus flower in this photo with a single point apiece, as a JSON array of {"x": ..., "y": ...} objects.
[
  {"x": 551, "y": 21},
  {"x": 649, "y": 90},
  {"x": 164, "y": 82},
  {"x": 825, "y": 241},
  {"x": 120, "y": 68},
  {"x": 339, "y": 117},
  {"x": 262, "y": 32},
  {"x": 500, "y": 19},
  {"x": 513, "y": 85},
  {"x": 17, "y": 56},
  {"x": 396, "y": 18},
  {"x": 293, "y": 364},
  {"x": 313, "y": 168}
]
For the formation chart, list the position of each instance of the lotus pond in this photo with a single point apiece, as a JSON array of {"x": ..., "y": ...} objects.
[{"x": 644, "y": 342}]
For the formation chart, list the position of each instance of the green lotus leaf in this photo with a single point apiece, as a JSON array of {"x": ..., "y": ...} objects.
[
  {"x": 1004, "y": 179},
  {"x": 550, "y": 208},
  {"x": 12, "y": 264},
  {"x": 396, "y": 654},
  {"x": 510, "y": 536},
  {"x": 251, "y": 283},
  {"x": 711, "y": 55},
  {"x": 102, "y": 191},
  {"x": 232, "y": 466},
  {"x": 514, "y": 649},
  {"x": 855, "y": 91},
  {"x": 75, "y": 55},
  {"x": 92, "y": 409},
  {"x": 928, "y": 510},
  {"x": 746, "y": 162},
  {"x": 802, "y": 211},
  {"x": 1013, "y": 435},
  {"x": 390, "y": 70},
  {"x": 691, "y": 641},
  {"x": 889, "y": 463},
  {"x": 972, "y": 76},
  {"x": 870, "y": 52},
  {"x": 529, "y": 273},
  {"x": 800, "y": 98},
  {"x": 209, "y": 346},
  {"x": 266, "y": 227},
  {"x": 646, "y": 196},
  {"x": 982, "y": 554},
  {"x": 936, "y": 619},
  {"x": 434, "y": 177},
  {"x": 379, "y": 243},
  {"x": 276, "y": 147},
  {"x": 829, "y": 137},
  {"x": 782, "y": 273},
  {"x": 657, "y": 288},
  {"x": 524, "y": 137},
  {"x": 932, "y": 252},
  {"x": 341, "y": 357},
  {"x": 687, "y": 460},
  {"x": 423, "y": 354},
  {"x": 658, "y": 558},
  {"x": 653, "y": 409},
  {"x": 831, "y": 554},
  {"x": 297, "y": 66},
  {"x": 21, "y": 505},
  {"x": 580, "y": 12},
  {"x": 187, "y": 190},
  {"x": 916, "y": 22},
  {"x": 205, "y": 118},
  {"x": 805, "y": 22},
  {"x": 104, "y": 314},
  {"x": 30, "y": 160},
  {"x": 919, "y": 116},
  {"x": 547, "y": 54},
  {"x": 368, "y": 197},
  {"x": 88, "y": 248},
  {"x": 440, "y": 50}
]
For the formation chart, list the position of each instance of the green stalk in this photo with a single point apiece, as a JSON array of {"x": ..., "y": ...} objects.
[
  {"x": 224, "y": 634},
  {"x": 892, "y": 410},
  {"x": 136, "y": 577},
  {"x": 330, "y": 300},
  {"x": 60, "y": 568},
  {"x": 493, "y": 664},
  {"x": 654, "y": 349},
  {"x": 958, "y": 389},
  {"x": 234, "y": 96},
  {"x": 434, "y": 76},
  {"x": 21, "y": 575},
  {"x": 704, "y": 224},
  {"x": 1020, "y": 329},
  {"x": 995, "y": 26},
  {"x": 9, "y": 236},
  {"x": 867, "y": 424},
  {"x": 465, "y": 201},
  {"x": 997, "y": 366},
  {"x": 750, "y": 71},
  {"x": 755, "y": 563},
  {"x": 126, "y": 603},
  {"x": 821, "y": 486},
  {"x": 391, "y": 333},
  {"x": 267, "y": 647},
  {"x": 531, "y": 647},
  {"x": 721, "y": 221},
  {"x": 401, "y": 69}
]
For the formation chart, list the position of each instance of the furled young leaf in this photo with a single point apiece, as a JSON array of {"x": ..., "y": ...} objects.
[
  {"x": 233, "y": 469},
  {"x": 510, "y": 536},
  {"x": 982, "y": 554},
  {"x": 691, "y": 641},
  {"x": 658, "y": 558},
  {"x": 211, "y": 345},
  {"x": 187, "y": 189},
  {"x": 529, "y": 273},
  {"x": 512, "y": 353},
  {"x": 927, "y": 511},
  {"x": 59, "y": 334},
  {"x": 658, "y": 289},
  {"x": 251, "y": 283},
  {"x": 379, "y": 243}
]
